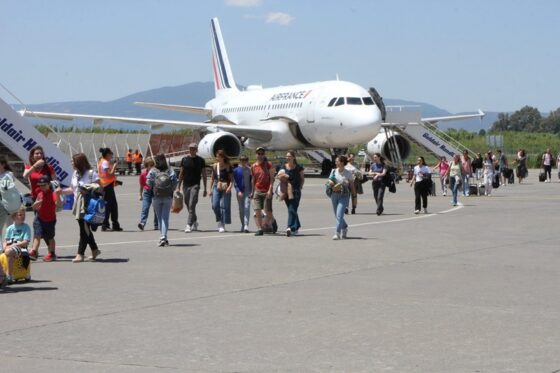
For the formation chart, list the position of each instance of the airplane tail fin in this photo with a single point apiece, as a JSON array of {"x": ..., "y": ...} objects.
[{"x": 223, "y": 77}]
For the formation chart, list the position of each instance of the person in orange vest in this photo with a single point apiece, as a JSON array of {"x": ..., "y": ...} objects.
[
  {"x": 107, "y": 180},
  {"x": 129, "y": 161},
  {"x": 137, "y": 157}
]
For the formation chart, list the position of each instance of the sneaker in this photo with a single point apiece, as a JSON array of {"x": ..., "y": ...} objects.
[
  {"x": 346, "y": 211},
  {"x": 246, "y": 229},
  {"x": 162, "y": 242},
  {"x": 288, "y": 232},
  {"x": 336, "y": 237},
  {"x": 194, "y": 226},
  {"x": 94, "y": 255},
  {"x": 416, "y": 212},
  {"x": 117, "y": 229},
  {"x": 156, "y": 228},
  {"x": 33, "y": 255},
  {"x": 259, "y": 232},
  {"x": 221, "y": 228},
  {"x": 188, "y": 229},
  {"x": 353, "y": 212},
  {"x": 50, "y": 257},
  {"x": 345, "y": 233},
  {"x": 274, "y": 226},
  {"x": 141, "y": 226},
  {"x": 78, "y": 259},
  {"x": 425, "y": 211},
  {"x": 105, "y": 228},
  {"x": 444, "y": 194}
]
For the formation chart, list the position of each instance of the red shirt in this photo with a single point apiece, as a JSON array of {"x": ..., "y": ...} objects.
[
  {"x": 47, "y": 211},
  {"x": 35, "y": 175},
  {"x": 143, "y": 176},
  {"x": 261, "y": 175}
]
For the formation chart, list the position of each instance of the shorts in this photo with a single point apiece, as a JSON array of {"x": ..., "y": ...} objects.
[
  {"x": 43, "y": 229},
  {"x": 260, "y": 201}
]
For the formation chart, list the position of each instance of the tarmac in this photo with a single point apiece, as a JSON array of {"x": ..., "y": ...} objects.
[{"x": 472, "y": 288}]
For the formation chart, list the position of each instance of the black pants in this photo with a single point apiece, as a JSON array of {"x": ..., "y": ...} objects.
[
  {"x": 547, "y": 171},
  {"x": 111, "y": 207},
  {"x": 138, "y": 168},
  {"x": 86, "y": 238},
  {"x": 378, "y": 194},
  {"x": 421, "y": 190}
]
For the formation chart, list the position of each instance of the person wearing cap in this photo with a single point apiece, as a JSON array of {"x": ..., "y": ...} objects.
[
  {"x": 263, "y": 174},
  {"x": 193, "y": 169},
  {"x": 243, "y": 183},
  {"x": 45, "y": 218},
  {"x": 108, "y": 179}
]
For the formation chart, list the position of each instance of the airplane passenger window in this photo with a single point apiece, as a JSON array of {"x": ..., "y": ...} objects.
[
  {"x": 367, "y": 100},
  {"x": 331, "y": 102},
  {"x": 340, "y": 101},
  {"x": 353, "y": 100}
]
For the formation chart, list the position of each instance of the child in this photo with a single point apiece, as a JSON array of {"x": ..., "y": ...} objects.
[
  {"x": 45, "y": 219},
  {"x": 16, "y": 240}
]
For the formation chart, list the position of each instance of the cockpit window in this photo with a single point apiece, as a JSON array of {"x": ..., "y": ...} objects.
[
  {"x": 367, "y": 100},
  {"x": 353, "y": 100},
  {"x": 331, "y": 102},
  {"x": 340, "y": 101}
]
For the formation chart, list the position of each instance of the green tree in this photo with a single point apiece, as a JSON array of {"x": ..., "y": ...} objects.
[
  {"x": 551, "y": 124},
  {"x": 502, "y": 124},
  {"x": 482, "y": 132},
  {"x": 526, "y": 119}
]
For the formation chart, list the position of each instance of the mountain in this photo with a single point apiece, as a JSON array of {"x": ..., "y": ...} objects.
[{"x": 197, "y": 94}]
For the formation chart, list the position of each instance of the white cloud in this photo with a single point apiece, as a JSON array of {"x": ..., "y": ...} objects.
[
  {"x": 243, "y": 3},
  {"x": 283, "y": 19}
]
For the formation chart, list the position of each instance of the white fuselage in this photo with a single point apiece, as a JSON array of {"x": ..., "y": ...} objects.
[{"x": 330, "y": 114}]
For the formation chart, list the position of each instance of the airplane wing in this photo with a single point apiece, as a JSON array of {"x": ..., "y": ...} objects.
[
  {"x": 434, "y": 120},
  {"x": 180, "y": 108},
  {"x": 255, "y": 132}
]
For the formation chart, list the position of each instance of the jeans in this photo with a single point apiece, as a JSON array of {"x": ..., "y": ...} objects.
[
  {"x": 292, "y": 205},
  {"x": 190, "y": 194},
  {"x": 465, "y": 181},
  {"x": 147, "y": 196},
  {"x": 488, "y": 183},
  {"x": 443, "y": 184},
  {"x": 378, "y": 194},
  {"x": 162, "y": 207},
  {"x": 221, "y": 204},
  {"x": 340, "y": 203},
  {"x": 454, "y": 185},
  {"x": 244, "y": 209},
  {"x": 111, "y": 207}
]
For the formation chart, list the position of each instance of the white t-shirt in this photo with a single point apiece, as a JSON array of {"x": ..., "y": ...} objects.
[
  {"x": 344, "y": 177},
  {"x": 420, "y": 171},
  {"x": 488, "y": 166},
  {"x": 547, "y": 159},
  {"x": 88, "y": 177}
]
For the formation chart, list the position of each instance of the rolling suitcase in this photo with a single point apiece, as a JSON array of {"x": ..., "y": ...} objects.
[
  {"x": 22, "y": 267},
  {"x": 542, "y": 176}
]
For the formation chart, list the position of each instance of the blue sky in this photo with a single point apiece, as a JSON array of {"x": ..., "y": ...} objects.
[{"x": 458, "y": 55}]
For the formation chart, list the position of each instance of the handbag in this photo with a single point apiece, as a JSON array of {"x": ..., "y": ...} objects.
[
  {"x": 221, "y": 186},
  {"x": 177, "y": 203}
]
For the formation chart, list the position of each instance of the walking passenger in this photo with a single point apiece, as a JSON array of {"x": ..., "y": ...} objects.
[
  {"x": 489, "y": 168},
  {"x": 455, "y": 176},
  {"x": 443, "y": 167},
  {"x": 263, "y": 174},
  {"x": 422, "y": 182},
  {"x": 193, "y": 169},
  {"x": 146, "y": 195},
  {"x": 162, "y": 180},
  {"x": 243, "y": 184},
  {"x": 466, "y": 166},
  {"x": 44, "y": 224},
  {"x": 294, "y": 176},
  {"x": 357, "y": 180},
  {"x": 547, "y": 161},
  {"x": 83, "y": 182},
  {"x": 129, "y": 161},
  {"x": 108, "y": 181},
  {"x": 502, "y": 167},
  {"x": 34, "y": 171},
  {"x": 378, "y": 172},
  {"x": 341, "y": 182},
  {"x": 5, "y": 173},
  {"x": 476, "y": 165},
  {"x": 521, "y": 161},
  {"x": 221, "y": 182}
]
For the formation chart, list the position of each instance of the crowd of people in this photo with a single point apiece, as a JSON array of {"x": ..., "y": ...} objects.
[{"x": 254, "y": 185}]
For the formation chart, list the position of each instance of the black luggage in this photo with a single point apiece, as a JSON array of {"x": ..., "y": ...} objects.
[
  {"x": 542, "y": 176},
  {"x": 496, "y": 181}
]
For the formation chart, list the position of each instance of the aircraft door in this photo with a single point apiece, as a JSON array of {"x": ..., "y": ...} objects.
[{"x": 311, "y": 111}]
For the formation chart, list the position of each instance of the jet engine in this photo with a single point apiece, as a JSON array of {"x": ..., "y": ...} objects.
[
  {"x": 211, "y": 143},
  {"x": 380, "y": 144}
]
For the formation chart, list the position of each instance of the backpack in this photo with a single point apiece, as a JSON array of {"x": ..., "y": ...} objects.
[
  {"x": 11, "y": 197},
  {"x": 163, "y": 186},
  {"x": 95, "y": 211}
]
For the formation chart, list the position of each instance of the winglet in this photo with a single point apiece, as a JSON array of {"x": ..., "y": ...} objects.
[{"x": 223, "y": 77}]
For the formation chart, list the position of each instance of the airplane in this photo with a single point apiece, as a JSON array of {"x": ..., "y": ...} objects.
[{"x": 327, "y": 114}]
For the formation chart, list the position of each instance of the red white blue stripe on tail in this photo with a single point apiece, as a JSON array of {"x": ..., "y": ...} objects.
[{"x": 223, "y": 77}]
